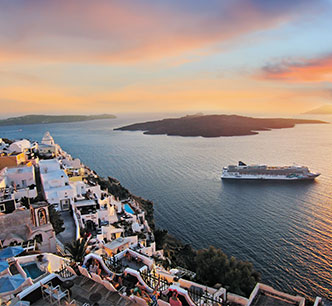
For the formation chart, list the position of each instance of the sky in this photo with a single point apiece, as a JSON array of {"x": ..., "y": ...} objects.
[{"x": 105, "y": 56}]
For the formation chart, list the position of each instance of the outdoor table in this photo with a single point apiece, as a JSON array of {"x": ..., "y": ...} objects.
[
  {"x": 67, "y": 284},
  {"x": 95, "y": 298}
]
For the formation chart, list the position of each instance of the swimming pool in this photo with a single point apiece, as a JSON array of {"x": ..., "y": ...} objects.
[
  {"x": 32, "y": 270},
  {"x": 128, "y": 209}
]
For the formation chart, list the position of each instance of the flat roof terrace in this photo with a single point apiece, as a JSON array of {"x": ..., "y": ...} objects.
[
  {"x": 264, "y": 295},
  {"x": 81, "y": 292},
  {"x": 267, "y": 300}
]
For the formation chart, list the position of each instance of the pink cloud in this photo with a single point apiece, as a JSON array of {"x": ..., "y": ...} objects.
[
  {"x": 312, "y": 70},
  {"x": 122, "y": 31}
]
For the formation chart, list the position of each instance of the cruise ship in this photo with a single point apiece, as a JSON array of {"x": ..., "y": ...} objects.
[{"x": 263, "y": 172}]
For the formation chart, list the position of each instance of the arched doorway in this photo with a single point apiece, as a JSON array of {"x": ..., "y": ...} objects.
[{"x": 90, "y": 226}]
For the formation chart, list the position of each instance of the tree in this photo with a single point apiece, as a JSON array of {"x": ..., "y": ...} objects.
[
  {"x": 160, "y": 236},
  {"x": 77, "y": 249},
  {"x": 56, "y": 220},
  {"x": 213, "y": 266}
]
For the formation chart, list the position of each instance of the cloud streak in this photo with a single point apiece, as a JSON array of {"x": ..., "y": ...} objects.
[
  {"x": 127, "y": 31},
  {"x": 301, "y": 70}
]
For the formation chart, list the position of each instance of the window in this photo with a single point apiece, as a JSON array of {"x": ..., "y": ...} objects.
[
  {"x": 39, "y": 238},
  {"x": 2, "y": 207},
  {"x": 65, "y": 203}
]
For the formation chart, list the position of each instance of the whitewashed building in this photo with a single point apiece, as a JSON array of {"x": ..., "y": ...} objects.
[
  {"x": 21, "y": 177},
  {"x": 57, "y": 189},
  {"x": 22, "y": 180},
  {"x": 20, "y": 146}
]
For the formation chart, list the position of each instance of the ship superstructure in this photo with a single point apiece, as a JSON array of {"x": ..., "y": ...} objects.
[{"x": 264, "y": 172}]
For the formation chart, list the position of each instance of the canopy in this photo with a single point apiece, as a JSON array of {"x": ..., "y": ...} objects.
[
  {"x": 10, "y": 252},
  {"x": 10, "y": 282},
  {"x": 3, "y": 265}
]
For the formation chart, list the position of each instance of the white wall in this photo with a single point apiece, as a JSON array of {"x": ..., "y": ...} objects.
[
  {"x": 49, "y": 165},
  {"x": 26, "y": 192},
  {"x": 54, "y": 196},
  {"x": 20, "y": 176},
  {"x": 80, "y": 188}
]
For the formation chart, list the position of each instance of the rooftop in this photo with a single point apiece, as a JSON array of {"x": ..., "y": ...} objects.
[
  {"x": 82, "y": 291},
  {"x": 55, "y": 175},
  {"x": 81, "y": 203},
  {"x": 115, "y": 244},
  {"x": 266, "y": 299},
  {"x": 264, "y": 295}
]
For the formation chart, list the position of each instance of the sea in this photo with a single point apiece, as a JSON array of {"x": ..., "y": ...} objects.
[{"x": 283, "y": 228}]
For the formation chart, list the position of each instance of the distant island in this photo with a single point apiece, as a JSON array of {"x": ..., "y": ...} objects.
[
  {"x": 323, "y": 110},
  {"x": 38, "y": 119},
  {"x": 214, "y": 125}
]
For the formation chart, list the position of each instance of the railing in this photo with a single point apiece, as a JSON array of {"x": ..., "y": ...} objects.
[
  {"x": 64, "y": 273},
  {"x": 30, "y": 245},
  {"x": 185, "y": 272},
  {"x": 112, "y": 263},
  {"x": 155, "y": 281},
  {"x": 203, "y": 297},
  {"x": 77, "y": 224}
]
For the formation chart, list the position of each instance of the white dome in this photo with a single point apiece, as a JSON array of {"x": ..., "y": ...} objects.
[{"x": 48, "y": 139}]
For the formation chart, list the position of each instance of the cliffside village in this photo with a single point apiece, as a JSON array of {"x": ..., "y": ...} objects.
[{"x": 119, "y": 262}]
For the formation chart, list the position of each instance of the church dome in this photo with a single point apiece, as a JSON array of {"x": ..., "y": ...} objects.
[{"x": 48, "y": 139}]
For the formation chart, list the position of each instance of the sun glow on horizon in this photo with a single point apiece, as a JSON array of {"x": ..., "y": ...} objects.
[{"x": 158, "y": 56}]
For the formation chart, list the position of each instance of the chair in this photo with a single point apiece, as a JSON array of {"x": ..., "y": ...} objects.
[
  {"x": 46, "y": 290},
  {"x": 57, "y": 295}
]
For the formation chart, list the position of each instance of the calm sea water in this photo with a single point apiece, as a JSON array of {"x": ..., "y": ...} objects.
[{"x": 284, "y": 228}]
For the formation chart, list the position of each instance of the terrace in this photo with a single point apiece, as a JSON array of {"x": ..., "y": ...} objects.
[
  {"x": 66, "y": 285},
  {"x": 267, "y": 299},
  {"x": 119, "y": 265},
  {"x": 83, "y": 292},
  {"x": 127, "y": 259},
  {"x": 25, "y": 272},
  {"x": 264, "y": 295}
]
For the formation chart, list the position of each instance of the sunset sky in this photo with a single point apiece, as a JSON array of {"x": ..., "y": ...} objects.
[{"x": 104, "y": 56}]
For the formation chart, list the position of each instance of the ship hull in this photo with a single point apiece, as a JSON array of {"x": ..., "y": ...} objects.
[{"x": 269, "y": 178}]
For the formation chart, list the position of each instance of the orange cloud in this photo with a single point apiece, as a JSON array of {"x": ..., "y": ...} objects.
[{"x": 315, "y": 70}]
